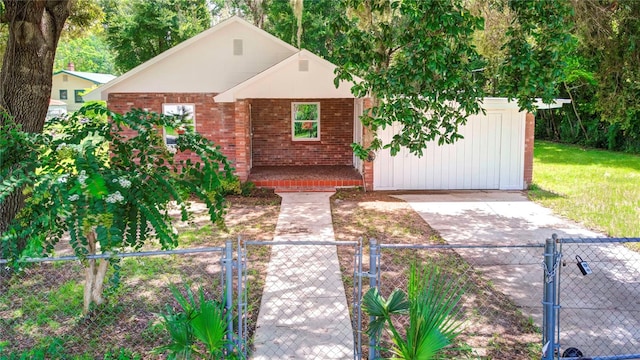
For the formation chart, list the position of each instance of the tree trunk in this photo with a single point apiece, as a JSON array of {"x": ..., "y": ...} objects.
[
  {"x": 27, "y": 69},
  {"x": 94, "y": 276}
]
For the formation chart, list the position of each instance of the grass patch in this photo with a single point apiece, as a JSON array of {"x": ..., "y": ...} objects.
[
  {"x": 597, "y": 188},
  {"x": 41, "y": 307}
]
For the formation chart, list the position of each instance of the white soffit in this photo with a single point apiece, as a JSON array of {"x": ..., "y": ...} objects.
[{"x": 301, "y": 76}]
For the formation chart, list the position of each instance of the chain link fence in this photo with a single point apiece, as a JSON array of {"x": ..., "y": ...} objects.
[
  {"x": 304, "y": 299},
  {"x": 500, "y": 317},
  {"x": 594, "y": 301},
  {"x": 41, "y": 304},
  {"x": 311, "y": 301}
]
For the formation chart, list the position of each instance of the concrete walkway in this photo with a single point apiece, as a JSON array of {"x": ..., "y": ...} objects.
[
  {"x": 304, "y": 313},
  {"x": 600, "y": 313}
]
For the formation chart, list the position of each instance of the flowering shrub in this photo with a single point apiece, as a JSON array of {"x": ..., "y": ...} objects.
[{"x": 108, "y": 192}]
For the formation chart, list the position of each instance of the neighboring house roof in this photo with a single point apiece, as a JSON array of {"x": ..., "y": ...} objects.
[
  {"x": 203, "y": 63},
  {"x": 302, "y": 75},
  {"x": 95, "y": 78}
]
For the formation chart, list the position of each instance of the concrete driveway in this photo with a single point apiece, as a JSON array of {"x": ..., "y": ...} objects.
[{"x": 600, "y": 323}]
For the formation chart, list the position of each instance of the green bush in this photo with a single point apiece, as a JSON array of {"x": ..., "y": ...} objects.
[{"x": 234, "y": 186}]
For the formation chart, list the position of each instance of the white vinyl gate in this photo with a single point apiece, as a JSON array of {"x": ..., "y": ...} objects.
[{"x": 491, "y": 156}]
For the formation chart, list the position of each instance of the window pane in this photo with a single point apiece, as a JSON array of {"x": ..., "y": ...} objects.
[
  {"x": 305, "y": 121},
  {"x": 305, "y": 129},
  {"x": 184, "y": 113},
  {"x": 78, "y": 96},
  {"x": 63, "y": 94},
  {"x": 306, "y": 111}
]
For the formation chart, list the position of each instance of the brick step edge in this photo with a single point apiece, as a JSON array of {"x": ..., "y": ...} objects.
[
  {"x": 300, "y": 189},
  {"x": 308, "y": 184}
]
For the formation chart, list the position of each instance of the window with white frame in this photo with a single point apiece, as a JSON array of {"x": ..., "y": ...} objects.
[
  {"x": 305, "y": 121},
  {"x": 187, "y": 121}
]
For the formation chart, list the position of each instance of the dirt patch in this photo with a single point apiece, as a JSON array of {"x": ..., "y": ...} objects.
[
  {"x": 494, "y": 328},
  {"x": 41, "y": 308}
]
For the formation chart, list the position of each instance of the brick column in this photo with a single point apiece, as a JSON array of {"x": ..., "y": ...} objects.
[
  {"x": 242, "y": 141},
  {"x": 367, "y": 136},
  {"x": 528, "y": 149}
]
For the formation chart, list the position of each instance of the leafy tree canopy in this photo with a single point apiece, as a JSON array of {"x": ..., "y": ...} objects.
[
  {"x": 417, "y": 60},
  {"x": 107, "y": 190},
  {"x": 138, "y": 30},
  {"x": 323, "y": 23},
  {"x": 88, "y": 53}
]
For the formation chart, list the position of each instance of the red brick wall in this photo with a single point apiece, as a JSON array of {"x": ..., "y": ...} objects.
[
  {"x": 216, "y": 121},
  {"x": 243, "y": 140},
  {"x": 272, "y": 144},
  {"x": 528, "y": 149}
]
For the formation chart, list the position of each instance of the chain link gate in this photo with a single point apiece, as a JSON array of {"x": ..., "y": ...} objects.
[
  {"x": 487, "y": 269},
  {"x": 592, "y": 298}
]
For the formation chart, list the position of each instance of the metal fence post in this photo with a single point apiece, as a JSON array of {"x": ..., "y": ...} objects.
[
  {"x": 373, "y": 283},
  {"x": 228, "y": 292},
  {"x": 357, "y": 300},
  {"x": 551, "y": 260},
  {"x": 242, "y": 295}
]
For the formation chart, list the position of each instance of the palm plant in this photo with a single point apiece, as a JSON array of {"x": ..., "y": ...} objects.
[
  {"x": 431, "y": 303},
  {"x": 199, "y": 323}
]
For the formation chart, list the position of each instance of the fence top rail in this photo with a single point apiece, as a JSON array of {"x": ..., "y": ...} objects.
[
  {"x": 611, "y": 357},
  {"x": 599, "y": 240},
  {"x": 120, "y": 255},
  {"x": 296, "y": 243},
  {"x": 454, "y": 246}
]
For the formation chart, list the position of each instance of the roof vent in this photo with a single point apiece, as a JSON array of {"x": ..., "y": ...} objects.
[
  {"x": 303, "y": 65},
  {"x": 237, "y": 47}
]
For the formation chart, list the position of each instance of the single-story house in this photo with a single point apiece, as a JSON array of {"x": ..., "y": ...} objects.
[
  {"x": 68, "y": 85},
  {"x": 278, "y": 117}
]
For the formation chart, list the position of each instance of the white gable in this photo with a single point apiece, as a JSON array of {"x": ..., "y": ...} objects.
[
  {"x": 302, "y": 75},
  {"x": 205, "y": 63}
]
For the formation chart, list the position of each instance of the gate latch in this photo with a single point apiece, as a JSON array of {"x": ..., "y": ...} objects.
[{"x": 583, "y": 266}]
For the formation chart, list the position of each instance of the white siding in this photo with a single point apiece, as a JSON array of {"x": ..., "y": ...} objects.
[{"x": 491, "y": 156}]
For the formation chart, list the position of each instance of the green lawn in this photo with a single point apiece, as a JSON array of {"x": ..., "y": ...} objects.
[{"x": 598, "y": 188}]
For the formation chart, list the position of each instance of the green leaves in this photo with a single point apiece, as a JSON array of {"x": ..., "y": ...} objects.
[
  {"x": 538, "y": 42},
  {"x": 83, "y": 175},
  {"x": 375, "y": 305},
  {"x": 432, "y": 305},
  {"x": 416, "y": 59},
  {"x": 198, "y": 321}
]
